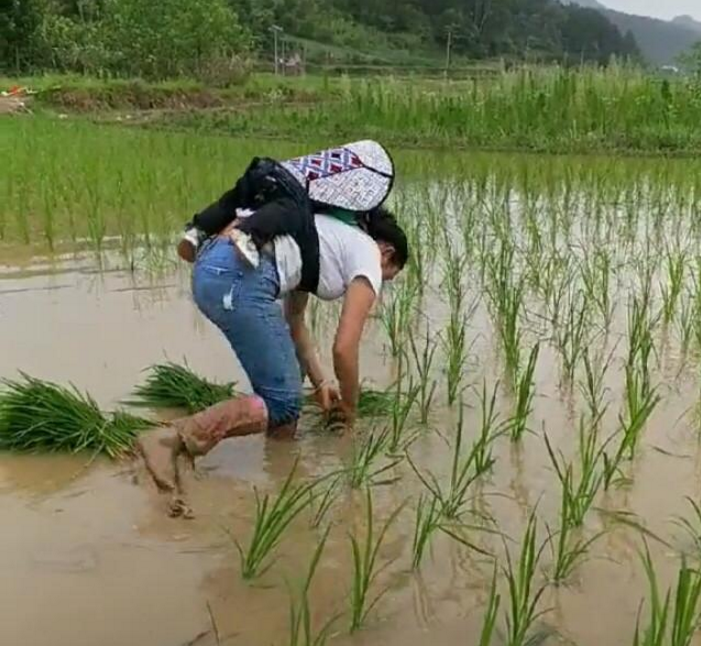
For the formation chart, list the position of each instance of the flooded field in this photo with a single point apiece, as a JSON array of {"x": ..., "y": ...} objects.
[{"x": 566, "y": 291}]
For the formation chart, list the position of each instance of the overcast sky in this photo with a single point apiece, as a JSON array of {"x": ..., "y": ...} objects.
[{"x": 659, "y": 8}]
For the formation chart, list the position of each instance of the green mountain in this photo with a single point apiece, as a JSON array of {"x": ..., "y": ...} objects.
[{"x": 659, "y": 41}]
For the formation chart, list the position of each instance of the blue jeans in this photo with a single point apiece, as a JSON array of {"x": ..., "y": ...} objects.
[{"x": 242, "y": 303}]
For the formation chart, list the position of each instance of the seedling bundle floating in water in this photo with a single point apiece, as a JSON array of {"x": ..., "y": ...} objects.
[
  {"x": 170, "y": 385},
  {"x": 40, "y": 416}
]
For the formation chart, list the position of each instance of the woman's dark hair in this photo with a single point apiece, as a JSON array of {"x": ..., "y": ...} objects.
[{"x": 381, "y": 225}]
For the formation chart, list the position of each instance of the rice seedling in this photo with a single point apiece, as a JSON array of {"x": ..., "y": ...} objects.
[
  {"x": 401, "y": 409},
  {"x": 641, "y": 400},
  {"x": 416, "y": 268},
  {"x": 525, "y": 595},
  {"x": 423, "y": 363},
  {"x": 557, "y": 280},
  {"x": 455, "y": 347},
  {"x": 693, "y": 308},
  {"x": 273, "y": 517},
  {"x": 453, "y": 272},
  {"x": 396, "y": 316},
  {"x": 671, "y": 289},
  {"x": 525, "y": 395},
  {"x": 670, "y": 623},
  {"x": 580, "y": 492},
  {"x": 367, "y": 451},
  {"x": 465, "y": 471},
  {"x": 692, "y": 527},
  {"x": 40, "y": 416},
  {"x": 571, "y": 335},
  {"x": 429, "y": 519},
  {"x": 491, "y": 429},
  {"x": 641, "y": 325},
  {"x": 506, "y": 296},
  {"x": 301, "y": 629},
  {"x": 568, "y": 549},
  {"x": 596, "y": 271},
  {"x": 170, "y": 385},
  {"x": 365, "y": 554},
  {"x": 492, "y": 612},
  {"x": 325, "y": 500},
  {"x": 426, "y": 523},
  {"x": 686, "y": 324},
  {"x": 593, "y": 388}
]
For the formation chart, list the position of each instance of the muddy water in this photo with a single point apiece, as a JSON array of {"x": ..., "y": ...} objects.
[{"x": 88, "y": 557}]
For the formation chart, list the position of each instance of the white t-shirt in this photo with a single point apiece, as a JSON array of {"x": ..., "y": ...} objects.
[{"x": 345, "y": 253}]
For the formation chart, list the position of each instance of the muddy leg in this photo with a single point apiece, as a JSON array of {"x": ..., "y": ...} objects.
[
  {"x": 238, "y": 417},
  {"x": 195, "y": 436},
  {"x": 160, "y": 449}
]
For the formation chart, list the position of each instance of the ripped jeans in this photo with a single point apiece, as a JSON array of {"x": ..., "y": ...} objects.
[{"x": 242, "y": 302}]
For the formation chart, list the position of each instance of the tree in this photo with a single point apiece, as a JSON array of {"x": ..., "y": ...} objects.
[
  {"x": 691, "y": 59},
  {"x": 19, "y": 24}
]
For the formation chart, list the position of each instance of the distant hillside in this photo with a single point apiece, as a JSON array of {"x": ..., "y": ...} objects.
[
  {"x": 688, "y": 22},
  {"x": 659, "y": 41}
]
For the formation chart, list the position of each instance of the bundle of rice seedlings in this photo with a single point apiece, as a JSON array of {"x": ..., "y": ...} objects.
[
  {"x": 170, "y": 385},
  {"x": 37, "y": 416}
]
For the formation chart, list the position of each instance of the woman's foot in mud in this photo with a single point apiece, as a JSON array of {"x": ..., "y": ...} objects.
[
  {"x": 178, "y": 508},
  {"x": 160, "y": 449}
]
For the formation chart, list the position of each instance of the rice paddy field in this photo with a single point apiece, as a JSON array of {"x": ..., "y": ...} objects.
[{"x": 527, "y": 470}]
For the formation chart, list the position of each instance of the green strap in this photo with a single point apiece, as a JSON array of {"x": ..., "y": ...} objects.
[{"x": 347, "y": 217}]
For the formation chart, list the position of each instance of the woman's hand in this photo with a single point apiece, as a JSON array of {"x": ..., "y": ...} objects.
[
  {"x": 327, "y": 397},
  {"x": 342, "y": 417}
]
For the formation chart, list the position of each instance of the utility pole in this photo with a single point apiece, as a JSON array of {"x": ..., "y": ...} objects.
[
  {"x": 448, "y": 49},
  {"x": 276, "y": 32},
  {"x": 284, "y": 56}
]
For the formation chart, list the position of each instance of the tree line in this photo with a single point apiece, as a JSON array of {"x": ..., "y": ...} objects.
[{"x": 173, "y": 38}]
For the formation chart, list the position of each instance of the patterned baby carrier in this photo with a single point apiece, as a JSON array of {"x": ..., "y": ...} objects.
[
  {"x": 345, "y": 182},
  {"x": 356, "y": 177}
]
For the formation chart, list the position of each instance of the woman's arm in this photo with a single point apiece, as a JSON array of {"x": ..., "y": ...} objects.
[
  {"x": 358, "y": 302},
  {"x": 295, "y": 308}
]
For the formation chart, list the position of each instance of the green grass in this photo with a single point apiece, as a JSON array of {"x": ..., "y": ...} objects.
[
  {"x": 546, "y": 109},
  {"x": 39, "y": 416}
]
